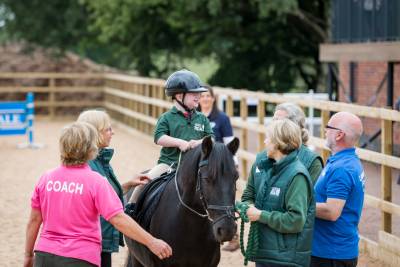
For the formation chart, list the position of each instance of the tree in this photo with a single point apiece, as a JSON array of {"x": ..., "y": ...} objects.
[
  {"x": 267, "y": 44},
  {"x": 257, "y": 44},
  {"x": 143, "y": 29},
  {"x": 58, "y": 24}
]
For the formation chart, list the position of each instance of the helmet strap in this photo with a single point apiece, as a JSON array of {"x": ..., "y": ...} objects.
[
  {"x": 189, "y": 111},
  {"x": 181, "y": 103}
]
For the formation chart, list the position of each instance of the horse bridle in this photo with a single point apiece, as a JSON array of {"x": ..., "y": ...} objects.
[{"x": 229, "y": 210}]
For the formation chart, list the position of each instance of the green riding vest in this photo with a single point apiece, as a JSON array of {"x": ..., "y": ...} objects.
[
  {"x": 111, "y": 237},
  {"x": 271, "y": 182},
  {"x": 306, "y": 156}
]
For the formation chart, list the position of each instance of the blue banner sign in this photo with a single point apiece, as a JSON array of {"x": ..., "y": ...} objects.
[{"x": 16, "y": 118}]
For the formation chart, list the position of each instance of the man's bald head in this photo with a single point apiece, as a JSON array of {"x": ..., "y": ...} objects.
[{"x": 350, "y": 124}]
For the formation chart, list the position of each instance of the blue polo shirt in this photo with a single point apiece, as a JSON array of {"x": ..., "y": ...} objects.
[{"x": 342, "y": 178}]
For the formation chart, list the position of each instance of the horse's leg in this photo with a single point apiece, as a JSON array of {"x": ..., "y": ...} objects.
[
  {"x": 136, "y": 263},
  {"x": 131, "y": 261}
]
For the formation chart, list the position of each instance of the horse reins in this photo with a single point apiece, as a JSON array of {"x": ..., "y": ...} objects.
[{"x": 229, "y": 210}]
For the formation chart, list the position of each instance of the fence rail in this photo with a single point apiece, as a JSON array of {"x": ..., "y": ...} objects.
[{"x": 138, "y": 102}]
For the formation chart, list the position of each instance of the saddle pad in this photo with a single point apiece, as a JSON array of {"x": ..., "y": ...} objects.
[{"x": 149, "y": 198}]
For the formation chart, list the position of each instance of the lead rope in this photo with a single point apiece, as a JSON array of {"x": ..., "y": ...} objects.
[{"x": 253, "y": 237}]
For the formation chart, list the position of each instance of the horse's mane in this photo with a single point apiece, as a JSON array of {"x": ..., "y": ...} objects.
[{"x": 219, "y": 154}]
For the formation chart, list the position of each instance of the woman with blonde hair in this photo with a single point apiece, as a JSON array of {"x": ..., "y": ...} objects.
[
  {"x": 280, "y": 193},
  {"x": 67, "y": 203},
  {"x": 100, "y": 120},
  {"x": 311, "y": 160}
]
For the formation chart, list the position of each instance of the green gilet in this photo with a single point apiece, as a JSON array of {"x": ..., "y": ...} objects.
[
  {"x": 307, "y": 156},
  {"x": 289, "y": 249},
  {"x": 111, "y": 237}
]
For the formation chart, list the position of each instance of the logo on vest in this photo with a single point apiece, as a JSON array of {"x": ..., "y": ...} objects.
[
  {"x": 275, "y": 191},
  {"x": 57, "y": 186},
  {"x": 199, "y": 127}
]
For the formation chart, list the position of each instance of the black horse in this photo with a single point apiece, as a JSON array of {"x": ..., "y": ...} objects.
[{"x": 196, "y": 209}]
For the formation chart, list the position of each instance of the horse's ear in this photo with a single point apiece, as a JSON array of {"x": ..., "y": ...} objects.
[
  {"x": 233, "y": 146},
  {"x": 206, "y": 146}
]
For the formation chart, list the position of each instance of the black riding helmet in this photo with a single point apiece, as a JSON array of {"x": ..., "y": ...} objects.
[{"x": 183, "y": 81}]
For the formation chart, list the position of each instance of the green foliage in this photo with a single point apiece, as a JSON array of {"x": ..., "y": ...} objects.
[
  {"x": 256, "y": 44},
  {"x": 59, "y": 23}
]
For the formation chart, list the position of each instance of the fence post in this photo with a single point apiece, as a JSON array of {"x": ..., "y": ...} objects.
[
  {"x": 229, "y": 106},
  {"x": 386, "y": 173},
  {"x": 244, "y": 141},
  {"x": 52, "y": 107},
  {"x": 324, "y": 121},
  {"x": 311, "y": 113},
  {"x": 147, "y": 108},
  {"x": 135, "y": 107},
  {"x": 261, "y": 117}
]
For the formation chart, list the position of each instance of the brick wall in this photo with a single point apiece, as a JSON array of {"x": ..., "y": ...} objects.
[{"x": 368, "y": 76}]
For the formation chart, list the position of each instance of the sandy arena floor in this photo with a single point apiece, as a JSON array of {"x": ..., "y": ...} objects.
[{"x": 20, "y": 169}]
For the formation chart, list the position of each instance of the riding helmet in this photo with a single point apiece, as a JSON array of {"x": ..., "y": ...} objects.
[{"x": 183, "y": 81}]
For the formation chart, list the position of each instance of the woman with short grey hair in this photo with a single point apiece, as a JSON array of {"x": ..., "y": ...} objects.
[{"x": 312, "y": 161}]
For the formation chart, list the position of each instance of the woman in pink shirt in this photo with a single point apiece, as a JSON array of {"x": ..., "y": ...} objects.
[{"x": 67, "y": 202}]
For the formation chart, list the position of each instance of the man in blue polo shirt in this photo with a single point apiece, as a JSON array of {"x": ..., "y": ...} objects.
[{"x": 339, "y": 195}]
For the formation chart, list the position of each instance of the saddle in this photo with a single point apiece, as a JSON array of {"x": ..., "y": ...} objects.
[{"x": 142, "y": 211}]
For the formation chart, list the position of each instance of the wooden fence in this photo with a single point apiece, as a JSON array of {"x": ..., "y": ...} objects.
[
  {"x": 138, "y": 102},
  {"x": 48, "y": 87}
]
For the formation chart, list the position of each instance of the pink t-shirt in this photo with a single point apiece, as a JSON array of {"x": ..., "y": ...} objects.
[{"x": 70, "y": 200}]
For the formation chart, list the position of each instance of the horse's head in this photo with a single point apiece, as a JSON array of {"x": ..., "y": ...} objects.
[{"x": 216, "y": 183}]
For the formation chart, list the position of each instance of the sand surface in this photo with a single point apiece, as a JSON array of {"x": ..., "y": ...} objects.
[{"x": 21, "y": 168}]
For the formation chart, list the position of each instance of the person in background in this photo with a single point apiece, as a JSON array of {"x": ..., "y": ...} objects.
[
  {"x": 111, "y": 237},
  {"x": 67, "y": 203},
  {"x": 280, "y": 194},
  {"x": 223, "y": 132},
  {"x": 339, "y": 195},
  {"x": 311, "y": 160},
  {"x": 219, "y": 121}
]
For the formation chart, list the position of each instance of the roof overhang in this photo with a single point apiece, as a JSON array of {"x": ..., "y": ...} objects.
[{"x": 356, "y": 52}]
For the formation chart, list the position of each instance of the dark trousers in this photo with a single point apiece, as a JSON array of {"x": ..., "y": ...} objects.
[
  {"x": 106, "y": 259},
  {"x": 322, "y": 262},
  {"x": 44, "y": 259}
]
